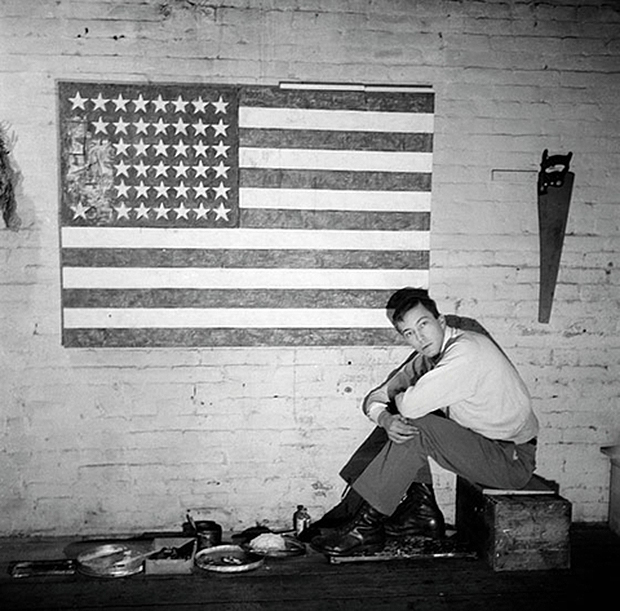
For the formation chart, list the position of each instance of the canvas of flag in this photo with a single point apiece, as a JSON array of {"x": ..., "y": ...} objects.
[{"x": 208, "y": 215}]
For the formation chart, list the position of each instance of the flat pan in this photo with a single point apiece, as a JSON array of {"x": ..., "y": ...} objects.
[
  {"x": 227, "y": 559},
  {"x": 111, "y": 560}
]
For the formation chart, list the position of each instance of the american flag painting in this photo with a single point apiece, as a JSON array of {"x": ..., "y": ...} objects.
[{"x": 204, "y": 215}]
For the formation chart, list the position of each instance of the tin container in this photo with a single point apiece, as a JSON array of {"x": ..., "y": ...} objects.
[{"x": 208, "y": 533}]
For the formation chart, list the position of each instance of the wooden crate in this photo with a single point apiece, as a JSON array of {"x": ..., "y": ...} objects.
[{"x": 514, "y": 530}]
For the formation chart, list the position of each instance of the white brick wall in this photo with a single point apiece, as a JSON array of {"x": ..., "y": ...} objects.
[{"x": 95, "y": 441}]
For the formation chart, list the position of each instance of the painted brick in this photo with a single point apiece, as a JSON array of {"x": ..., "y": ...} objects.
[{"x": 134, "y": 438}]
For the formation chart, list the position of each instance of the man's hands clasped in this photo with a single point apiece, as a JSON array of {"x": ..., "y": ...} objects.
[{"x": 398, "y": 428}]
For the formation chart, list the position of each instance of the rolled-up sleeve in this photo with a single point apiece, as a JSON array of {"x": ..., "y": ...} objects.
[{"x": 402, "y": 378}]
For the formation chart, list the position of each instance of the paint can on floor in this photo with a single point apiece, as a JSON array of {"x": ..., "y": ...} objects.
[{"x": 209, "y": 533}]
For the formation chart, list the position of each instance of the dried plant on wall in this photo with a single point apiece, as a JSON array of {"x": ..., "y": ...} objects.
[{"x": 8, "y": 179}]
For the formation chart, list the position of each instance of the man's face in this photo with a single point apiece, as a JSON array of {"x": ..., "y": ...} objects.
[{"x": 423, "y": 331}]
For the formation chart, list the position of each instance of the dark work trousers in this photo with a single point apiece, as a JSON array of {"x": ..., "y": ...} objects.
[{"x": 493, "y": 463}]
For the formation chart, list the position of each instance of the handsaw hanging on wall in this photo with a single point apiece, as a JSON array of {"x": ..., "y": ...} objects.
[{"x": 555, "y": 186}]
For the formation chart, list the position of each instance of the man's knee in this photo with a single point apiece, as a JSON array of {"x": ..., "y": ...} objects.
[{"x": 432, "y": 423}]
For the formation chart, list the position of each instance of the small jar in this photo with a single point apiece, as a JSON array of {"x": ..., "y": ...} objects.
[{"x": 301, "y": 519}]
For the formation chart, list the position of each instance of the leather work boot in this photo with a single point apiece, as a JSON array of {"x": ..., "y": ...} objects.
[
  {"x": 418, "y": 514},
  {"x": 365, "y": 533},
  {"x": 336, "y": 518}
]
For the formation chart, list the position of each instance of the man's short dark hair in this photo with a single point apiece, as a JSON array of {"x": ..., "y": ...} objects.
[{"x": 406, "y": 299}]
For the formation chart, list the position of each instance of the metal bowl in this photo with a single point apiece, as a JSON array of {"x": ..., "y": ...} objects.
[
  {"x": 111, "y": 560},
  {"x": 227, "y": 559}
]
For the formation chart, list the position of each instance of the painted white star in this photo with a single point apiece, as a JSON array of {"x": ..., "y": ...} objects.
[
  {"x": 221, "y": 191},
  {"x": 120, "y": 102},
  {"x": 141, "y": 168},
  {"x": 181, "y": 189},
  {"x": 201, "y": 212},
  {"x": 141, "y": 126},
  {"x": 199, "y": 105},
  {"x": 122, "y": 211},
  {"x": 201, "y": 169},
  {"x": 180, "y": 127},
  {"x": 162, "y": 212},
  {"x": 201, "y": 148},
  {"x": 221, "y": 149},
  {"x": 201, "y": 190},
  {"x": 79, "y": 211},
  {"x": 161, "y": 148},
  {"x": 120, "y": 126},
  {"x": 220, "y": 128},
  {"x": 181, "y": 148},
  {"x": 220, "y": 106},
  {"x": 200, "y": 127},
  {"x": 100, "y": 126},
  {"x": 77, "y": 101},
  {"x": 142, "y": 190},
  {"x": 162, "y": 189},
  {"x": 160, "y": 126},
  {"x": 221, "y": 212},
  {"x": 221, "y": 169},
  {"x": 160, "y": 104},
  {"x": 141, "y": 147},
  {"x": 121, "y": 147},
  {"x": 181, "y": 211},
  {"x": 140, "y": 103},
  {"x": 122, "y": 168},
  {"x": 179, "y": 104},
  {"x": 161, "y": 169},
  {"x": 142, "y": 211},
  {"x": 122, "y": 189},
  {"x": 100, "y": 102},
  {"x": 180, "y": 169}
]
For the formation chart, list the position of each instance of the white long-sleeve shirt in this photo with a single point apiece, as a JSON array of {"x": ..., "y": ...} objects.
[{"x": 473, "y": 378}]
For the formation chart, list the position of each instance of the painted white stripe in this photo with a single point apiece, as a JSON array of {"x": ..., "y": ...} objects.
[
  {"x": 319, "y": 86},
  {"x": 357, "y": 87},
  {"x": 320, "y": 159},
  {"x": 241, "y": 239},
  {"x": 323, "y": 199},
  {"x": 399, "y": 88},
  {"x": 237, "y": 278},
  {"x": 339, "y": 120},
  {"x": 121, "y": 318}
]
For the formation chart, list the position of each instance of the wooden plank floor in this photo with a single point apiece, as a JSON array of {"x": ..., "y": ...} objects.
[{"x": 309, "y": 582}]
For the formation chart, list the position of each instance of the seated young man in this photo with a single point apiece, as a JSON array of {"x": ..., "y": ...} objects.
[{"x": 457, "y": 399}]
